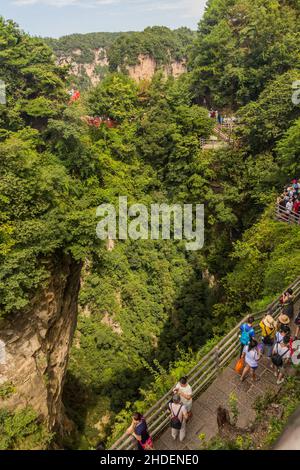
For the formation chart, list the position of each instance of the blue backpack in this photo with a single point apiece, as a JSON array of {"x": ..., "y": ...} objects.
[{"x": 245, "y": 336}]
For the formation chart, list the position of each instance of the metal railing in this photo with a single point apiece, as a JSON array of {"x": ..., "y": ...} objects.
[
  {"x": 282, "y": 215},
  {"x": 204, "y": 373}
]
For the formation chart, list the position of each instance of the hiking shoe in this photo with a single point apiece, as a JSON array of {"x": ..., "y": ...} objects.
[{"x": 279, "y": 382}]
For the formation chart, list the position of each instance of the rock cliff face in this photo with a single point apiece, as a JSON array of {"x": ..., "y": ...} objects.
[
  {"x": 35, "y": 345},
  {"x": 147, "y": 67},
  {"x": 94, "y": 70}
]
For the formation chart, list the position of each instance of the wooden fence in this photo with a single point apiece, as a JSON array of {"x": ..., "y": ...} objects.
[{"x": 203, "y": 374}]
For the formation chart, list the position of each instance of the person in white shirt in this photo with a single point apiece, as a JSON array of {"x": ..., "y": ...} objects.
[
  {"x": 184, "y": 390},
  {"x": 251, "y": 355},
  {"x": 289, "y": 205},
  {"x": 179, "y": 416},
  {"x": 280, "y": 358}
]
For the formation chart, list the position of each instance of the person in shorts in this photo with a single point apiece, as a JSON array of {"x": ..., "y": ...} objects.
[
  {"x": 179, "y": 416},
  {"x": 281, "y": 357}
]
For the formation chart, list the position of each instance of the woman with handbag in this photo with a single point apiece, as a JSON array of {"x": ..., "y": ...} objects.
[
  {"x": 139, "y": 430},
  {"x": 179, "y": 416}
]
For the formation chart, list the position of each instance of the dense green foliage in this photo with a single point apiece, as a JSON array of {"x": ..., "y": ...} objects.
[
  {"x": 23, "y": 431},
  {"x": 159, "y": 43},
  {"x": 86, "y": 43},
  {"x": 242, "y": 45}
]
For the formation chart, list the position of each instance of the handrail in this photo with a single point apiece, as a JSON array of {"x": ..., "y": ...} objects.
[
  {"x": 205, "y": 371},
  {"x": 282, "y": 215}
]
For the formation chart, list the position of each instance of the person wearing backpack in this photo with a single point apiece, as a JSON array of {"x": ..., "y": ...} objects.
[
  {"x": 179, "y": 416},
  {"x": 280, "y": 358},
  {"x": 268, "y": 331},
  {"x": 283, "y": 331},
  {"x": 247, "y": 332},
  {"x": 252, "y": 355}
]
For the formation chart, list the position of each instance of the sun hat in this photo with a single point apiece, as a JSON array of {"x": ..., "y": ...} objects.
[
  {"x": 284, "y": 319},
  {"x": 269, "y": 321}
]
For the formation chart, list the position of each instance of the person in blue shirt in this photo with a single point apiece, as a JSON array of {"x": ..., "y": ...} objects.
[{"x": 247, "y": 332}]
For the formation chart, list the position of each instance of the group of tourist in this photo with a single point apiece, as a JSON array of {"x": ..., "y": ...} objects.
[
  {"x": 289, "y": 201},
  {"x": 275, "y": 340}
]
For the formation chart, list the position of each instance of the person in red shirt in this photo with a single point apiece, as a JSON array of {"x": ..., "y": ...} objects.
[{"x": 296, "y": 206}]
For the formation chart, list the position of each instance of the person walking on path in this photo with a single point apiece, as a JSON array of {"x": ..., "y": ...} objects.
[
  {"x": 184, "y": 390},
  {"x": 268, "y": 331},
  {"x": 284, "y": 331},
  {"x": 179, "y": 416},
  {"x": 139, "y": 430},
  {"x": 247, "y": 332},
  {"x": 280, "y": 358},
  {"x": 252, "y": 355}
]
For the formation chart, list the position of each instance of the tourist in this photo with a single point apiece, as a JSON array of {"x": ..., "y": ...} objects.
[
  {"x": 296, "y": 206},
  {"x": 247, "y": 332},
  {"x": 284, "y": 331},
  {"x": 184, "y": 390},
  {"x": 268, "y": 331},
  {"x": 289, "y": 205},
  {"x": 295, "y": 186},
  {"x": 252, "y": 355},
  {"x": 287, "y": 300},
  {"x": 280, "y": 358},
  {"x": 139, "y": 430},
  {"x": 179, "y": 416}
]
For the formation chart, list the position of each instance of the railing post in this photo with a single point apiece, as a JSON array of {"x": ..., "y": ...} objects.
[{"x": 217, "y": 357}]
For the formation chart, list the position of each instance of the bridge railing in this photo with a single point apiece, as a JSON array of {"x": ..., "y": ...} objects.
[
  {"x": 203, "y": 374},
  {"x": 283, "y": 215}
]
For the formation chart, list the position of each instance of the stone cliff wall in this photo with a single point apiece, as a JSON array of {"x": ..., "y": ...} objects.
[
  {"x": 143, "y": 70},
  {"x": 35, "y": 345}
]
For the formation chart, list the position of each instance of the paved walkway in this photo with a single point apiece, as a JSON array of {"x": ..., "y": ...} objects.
[{"x": 204, "y": 418}]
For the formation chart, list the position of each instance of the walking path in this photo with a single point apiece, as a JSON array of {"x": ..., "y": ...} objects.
[{"x": 204, "y": 420}]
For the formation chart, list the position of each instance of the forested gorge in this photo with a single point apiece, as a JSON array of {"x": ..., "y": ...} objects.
[{"x": 148, "y": 307}]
